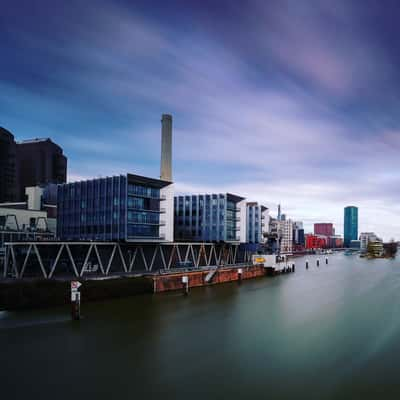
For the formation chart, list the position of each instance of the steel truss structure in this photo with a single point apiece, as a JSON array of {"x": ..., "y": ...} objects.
[{"x": 89, "y": 259}]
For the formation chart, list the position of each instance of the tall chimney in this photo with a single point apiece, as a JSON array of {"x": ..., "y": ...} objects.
[{"x": 166, "y": 148}]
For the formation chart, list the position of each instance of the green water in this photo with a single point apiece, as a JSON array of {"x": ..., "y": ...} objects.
[{"x": 328, "y": 332}]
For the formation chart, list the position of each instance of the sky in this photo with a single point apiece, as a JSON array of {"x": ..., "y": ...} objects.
[{"x": 291, "y": 102}]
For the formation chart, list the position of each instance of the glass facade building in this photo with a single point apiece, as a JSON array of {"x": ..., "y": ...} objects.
[
  {"x": 208, "y": 217},
  {"x": 255, "y": 220},
  {"x": 126, "y": 207},
  {"x": 350, "y": 225}
]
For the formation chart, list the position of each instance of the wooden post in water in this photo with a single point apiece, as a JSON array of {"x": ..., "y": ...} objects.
[
  {"x": 326, "y": 260},
  {"x": 306, "y": 264},
  {"x": 185, "y": 283},
  {"x": 317, "y": 262}
]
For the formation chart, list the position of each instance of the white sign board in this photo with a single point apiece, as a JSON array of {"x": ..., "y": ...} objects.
[
  {"x": 75, "y": 285},
  {"x": 185, "y": 279}
]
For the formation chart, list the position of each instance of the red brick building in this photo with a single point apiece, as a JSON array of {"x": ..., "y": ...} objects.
[
  {"x": 325, "y": 229},
  {"x": 315, "y": 242}
]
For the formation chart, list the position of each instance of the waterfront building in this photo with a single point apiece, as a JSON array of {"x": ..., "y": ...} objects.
[
  {"x": 8, "y": 167},
  {"x": 31, "y": 220},
  {"x": 375, "y": 249},
  {"x": 365, "y": 238},
  {"x": 125, "y": 208},
  {"x": 253, "y": 222},
  {"x": 298, "y": 233},
  {"x": 40, "y": 162},
  {"x": 285, "y": 236},
  {"x": 334, "y": 242},
  {"x": 325, "y": 229},
  {"x": 271, "y": 237},
  {"x": 315, "y": 242},
  {"x": 355, "y": 244},
  {"x": 350, "y": 225},
  {"x": 207, "y": 217}
]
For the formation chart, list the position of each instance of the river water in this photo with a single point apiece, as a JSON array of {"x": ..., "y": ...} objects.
[{"x": 327, "y": 332}]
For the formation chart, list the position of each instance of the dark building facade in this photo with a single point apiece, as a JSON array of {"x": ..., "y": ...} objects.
[
  {"x": 125, "y": 208},
  {"x": 8, "y": 167},
  {"x": 40, "y": 161}
]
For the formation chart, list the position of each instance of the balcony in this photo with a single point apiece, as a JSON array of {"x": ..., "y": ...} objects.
[
  {"x": 146, "y": 238},
  {"x": 159, "y": 211}
]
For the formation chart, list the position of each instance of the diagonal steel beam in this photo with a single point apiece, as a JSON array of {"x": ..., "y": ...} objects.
[
  {"x": 26, "y": 260},
  {"x": 235, "y": 254},
  {"x": 153, "y": 258},
  {"x": 86, "y": 259},
  {"x": 72, "y": 260},
  {"x": 163, "y": 257},
  {"x": 179, "y": 253},
  {"x": 5, "y": 262},
  {"x": 96, "y": 250},
  {"x": 187, "y": 253},
  {"x": 171, "y": 257},
  {"x": 193, "y": 256},
  {"x": 56, "y": 260},
  {"x": 14, "y": 260},
  {"x": 40, "y": 260},
  {"x": 111, "y": 259},
  {"x": 122, "y": 258},
  {"x": 133, "y": 260},
  {"x": 144, "y": 258}
]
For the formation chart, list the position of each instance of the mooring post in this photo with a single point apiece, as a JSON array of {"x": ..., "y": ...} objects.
[
  {"x": 75, "y": 300},
  {"x": 326, "y": 260},
  {"x": 317, "y": 262},
  {"x": 306, "y": 264},
  {"x": 293, "y": 267},
  {"x": 185, "y": 283},
  {"x": 240, "y": 272}
]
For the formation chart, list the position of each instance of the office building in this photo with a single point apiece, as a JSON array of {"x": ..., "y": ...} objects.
[
  {"x": 207, "y": 217},
  {"x": 298, "y": 233},
  {"x": 325, "y": 229},
  {"x": 253, "y": 222},
  {"x": 315, "y": 242},
  {"x": 285, "y": 230},
  {"x": 8, "y": 167},
  {"x": 350, "y": 225},
  {"x": 40, "y": 162},
  {"x": 366, "y": 238},
  {"x": 31, "y": 220},
  {"x": 123, "y": 208}
]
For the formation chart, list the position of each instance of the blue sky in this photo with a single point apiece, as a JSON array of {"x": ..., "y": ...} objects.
[{"x": 281, "y": 101}]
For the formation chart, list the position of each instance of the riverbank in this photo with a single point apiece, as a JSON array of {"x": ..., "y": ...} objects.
[{"x": 41, "y": 293}]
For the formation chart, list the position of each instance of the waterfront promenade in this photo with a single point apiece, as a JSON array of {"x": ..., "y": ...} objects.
[{"x": 327, "y": 332}]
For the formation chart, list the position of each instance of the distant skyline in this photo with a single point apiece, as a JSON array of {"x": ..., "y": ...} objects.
[{"x": 291, "y": 102}]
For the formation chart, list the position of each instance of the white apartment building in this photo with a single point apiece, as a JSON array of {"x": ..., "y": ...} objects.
[
  {"x": 253, "y": 222},
  {"x": 286, "y": 236}
]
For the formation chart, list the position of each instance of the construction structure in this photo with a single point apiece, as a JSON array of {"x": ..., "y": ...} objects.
[{"x": 53, "y": 259}]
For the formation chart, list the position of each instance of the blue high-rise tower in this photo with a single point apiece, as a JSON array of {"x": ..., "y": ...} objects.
[{"x": 350, "y": 225}]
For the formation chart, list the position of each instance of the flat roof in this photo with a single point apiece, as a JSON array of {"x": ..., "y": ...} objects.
[{"x": 144, "y": 180}]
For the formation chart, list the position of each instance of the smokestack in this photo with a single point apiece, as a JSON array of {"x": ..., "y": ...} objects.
[{"x": 166, "y": 148}]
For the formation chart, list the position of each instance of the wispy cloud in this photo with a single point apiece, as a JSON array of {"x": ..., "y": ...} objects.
[{"x": 275, "y": 106}]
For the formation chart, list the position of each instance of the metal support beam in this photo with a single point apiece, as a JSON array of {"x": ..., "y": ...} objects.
[
  {"x": 40, "y": 260},
  {"x": 55, "y": 261}
]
